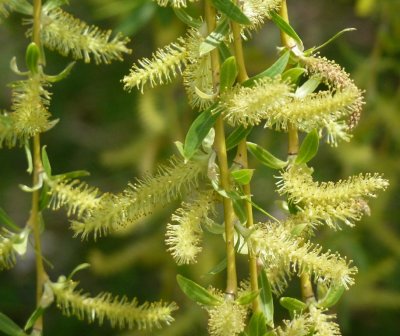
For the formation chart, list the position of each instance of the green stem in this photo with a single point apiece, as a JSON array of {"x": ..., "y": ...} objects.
[
  {"x": 293, "y": 148},
  {"x": 34, "y": 219},
  {"x": 241, "y": 159},
  {"x": 220, "y": 148}
]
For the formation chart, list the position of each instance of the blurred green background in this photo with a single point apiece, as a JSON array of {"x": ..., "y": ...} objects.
[{"x": 118, "y": 136}]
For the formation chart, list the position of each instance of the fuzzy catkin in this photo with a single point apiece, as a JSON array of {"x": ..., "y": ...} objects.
[
  {"x": 70, "y": 36},
  {"x": 140, "y": 199},
  {"x": 277, "y": 247},
  {"x": 184, "y": 233},
  {"x": 120, "y": 312}
]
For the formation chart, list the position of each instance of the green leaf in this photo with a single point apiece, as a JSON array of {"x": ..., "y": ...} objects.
[
  {"x": 62, "y": 74},
  {"x": 72, "y": 175},
  {"x": 78, "y": 268},
  {"x": 308, "y": 148},
  {"x": 186, "y": 18},
  {"x": 274, "y": 70},
  {"x": 214, "y": 39},
  {"x": 219, "y": 267},
  {"x": 45, "y": 197},
  {"x": 46, "y": 162},
  {"x": 224, "y": 51},
  {"x": 7, "y": 221},
  {"x": 229, "y": 72},
  {"x": 293, "y": 74},
  {"x": 9, "y": 327},
  {"x": 287, "y": 29},
  {"x": 297, "y": 230},
  {"x": 292, "y": 304},
  {"x": 247, "y": 298},
  {"x": 215, "y": 228},
  {"x": 239, "y": 209},
  {"x": 332, "y": 296},
  {"x": 333, "y": 38},
  {"x": 237, "y": 135},
  {"x": 243, "y": 176},
  {"x": 308, "y": 87},
  {"x": 232, "y": 11},
  {"x": 196, "y": 292},
  {"x": 21, "y": 244},
  {"x": 257, "y": 325},
  {"x": 32, "y": 56},
  {"x": 267, "y": 303},
  {"x": 199, "y": 130},
  {"x": 265, "y": 157},
  {"x": 33, "y": 318}
]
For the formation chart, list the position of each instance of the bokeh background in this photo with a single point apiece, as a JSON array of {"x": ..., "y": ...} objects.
[{"x": 119, "y": 136}]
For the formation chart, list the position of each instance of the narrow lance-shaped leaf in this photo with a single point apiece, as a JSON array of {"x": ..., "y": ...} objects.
[
  {"x": 332, "y": 297},
  {"x": 292, "y": 304},
  {"x": 274, "y": 70},
  {"x": 186, "y": 18},
  {"x": 257, "y": 325},
  {"x": 199, "y": 130},
  {"x": 196, "y": 292},
  {"x": 215, "y": 38},
  {"x": 232, "y": 11},
  {"x": 308, "y": 148},
  {"x": 287, "y": 29},
  {"x": 267, "y": 303},
  {"x": 9, "y": 327},
  {"x": 265, "y": 157},
  {"x": 243, "y": 176},
  {"x": 247, "y": 298},
  {"x": 228, "y": 74},
  {"x": 32, "y": 57},
  {"x": 293, "y": 74},
  {"x": 237, "y": 135}
]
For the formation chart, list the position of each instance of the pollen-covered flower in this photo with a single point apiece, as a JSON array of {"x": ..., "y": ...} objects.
[
  {"x": 258, "y": 10},
  {"x": 140, "y": 199},
  {"x": 198, "y": 73},
  {"x": 338, "y": 80},
  {"x": 278, "y": 248},
  {"x": 77, "y": 196},
  {"x": 184, "y": 234},
  {"x": 319, "y": 110},
  {"x": 326, "y": 201},
  {"x": 120, "y": 312},
  {"x": 30, "y": 100},
  {"x": 298, "y": 326},
  {"x": 323, "y": 324},
  {"x": 11, "y": 244},
  {"x": 249, "y": 106},
  {"x": 165, "y": 64},
  {"x": 227, "y": 319},
  {"x": 68, "y": 35}
]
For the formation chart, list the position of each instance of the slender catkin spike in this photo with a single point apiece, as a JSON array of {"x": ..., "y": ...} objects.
[
  {"x": 258, "y": 11},
  {"x": 120, "y": 312},
  {"x": 184, "y": 234},
  {"x": 140, "y": 199},
  {"x": 30, "y": 100},
  {"x": 197, "y": 74},
  {"x": 10, "y": 244},
  {"x": 165, "y": 64},
  {"x": 174, "y": 3},
  {"x": 278, "y": 248},
  {"x": 248, "y": 106},
  {"x": 227, "y": 319},
  {"x": 325, "y": 201},
  {"x": 338, "y": 80},
  {"x": 319, "y": 110},
  {"x": 68, "y": 35},
  {"x": 78, "y": 197}
]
